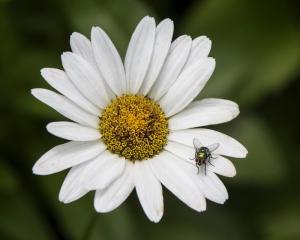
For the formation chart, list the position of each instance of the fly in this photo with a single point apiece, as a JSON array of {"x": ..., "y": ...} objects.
[{"x": 203, "y": 154}]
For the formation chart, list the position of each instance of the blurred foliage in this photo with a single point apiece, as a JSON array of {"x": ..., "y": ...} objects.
[
  {"x": 257, "y": 48},
  {"x": 265, "y": 151},
  {"x": 284, "y": 223},
  {"x": 256, "y": 44}
]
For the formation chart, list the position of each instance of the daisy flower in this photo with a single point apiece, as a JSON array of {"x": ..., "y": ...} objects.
[{"x": 133, "y": 124}]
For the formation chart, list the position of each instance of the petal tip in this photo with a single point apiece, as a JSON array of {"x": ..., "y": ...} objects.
[
  {"x": 37, "y": 170},
  {"x": 167, "y": 21},
  {"x": 61, "y": 197},
  {"x": 187, "y": 38},
  {"x": 233, "y": 174},
  {"x": 43, "y": 71},
  {"x": 158, "y": 216},
  {"x": 49, "y": 127},
  {"x": 211, "y": 60},
  {"x": 74, "y": 35},
  {"x": 94, "y": 30},
  {"x": 98, "y": 206},
  {"x": 244, "y": 152},
  {"x": 66, "y": 55},
  {"x": 147, "y": 20},
  {"x": 35, "y": 92}
]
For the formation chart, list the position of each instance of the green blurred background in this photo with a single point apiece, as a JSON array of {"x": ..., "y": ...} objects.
[{"x": 257, "y": 48}]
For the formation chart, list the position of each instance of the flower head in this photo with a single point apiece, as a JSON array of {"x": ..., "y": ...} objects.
[{"x": 133, "y": 124}]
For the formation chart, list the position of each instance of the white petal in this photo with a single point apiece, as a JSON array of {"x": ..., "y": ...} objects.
[
  {"x": 219, "y": 164},
  {"x": 116, "y": 193},
  {"x": 200, "y": 49},
  {"x": 222, "y": 166},
  {"x": 103, "y": 170},
  {"x": 72, "y": 188},
  {"x": 139, "y": 54},
  {"x": 187, "y": 86},
  {"x": 73, "y": 131},
  {"x": 184, "y": 152},
  {"x": 218, "y": 183},
  {"x": 211, "y": 188},
  {"x": 163, "y": 38},
  {"x": 228, "y": 146},
  {"x": 65, "y": 107},
  {"x": 67, "y": 155},
  {"x": 108, "y": 61},
  {"x": 86, "y": 79},
  {"x": 168, "y": 169},
  {"x": 149, "y": 190},
  {"x": 205, "y": 112},
  {"x": 177, "y": 56},
  {"x": 204, "y": 182},
  {"x": 81, "y": 46},
  {"x": 59, "y": 81}
]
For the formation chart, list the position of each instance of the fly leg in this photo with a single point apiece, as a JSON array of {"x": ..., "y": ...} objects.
[
  {"x": 210, "y": 161},
  {"x": 195, "y": 157},
  {"x": 197, "y": 168}
]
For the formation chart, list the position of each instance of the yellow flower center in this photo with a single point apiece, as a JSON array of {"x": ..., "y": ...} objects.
[{"x": 134, "y": 127}]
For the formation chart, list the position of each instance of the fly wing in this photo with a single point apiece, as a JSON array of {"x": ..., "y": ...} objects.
[
  {"x": 213, "y": 147},
  {"x": 197, "y": 143}
]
